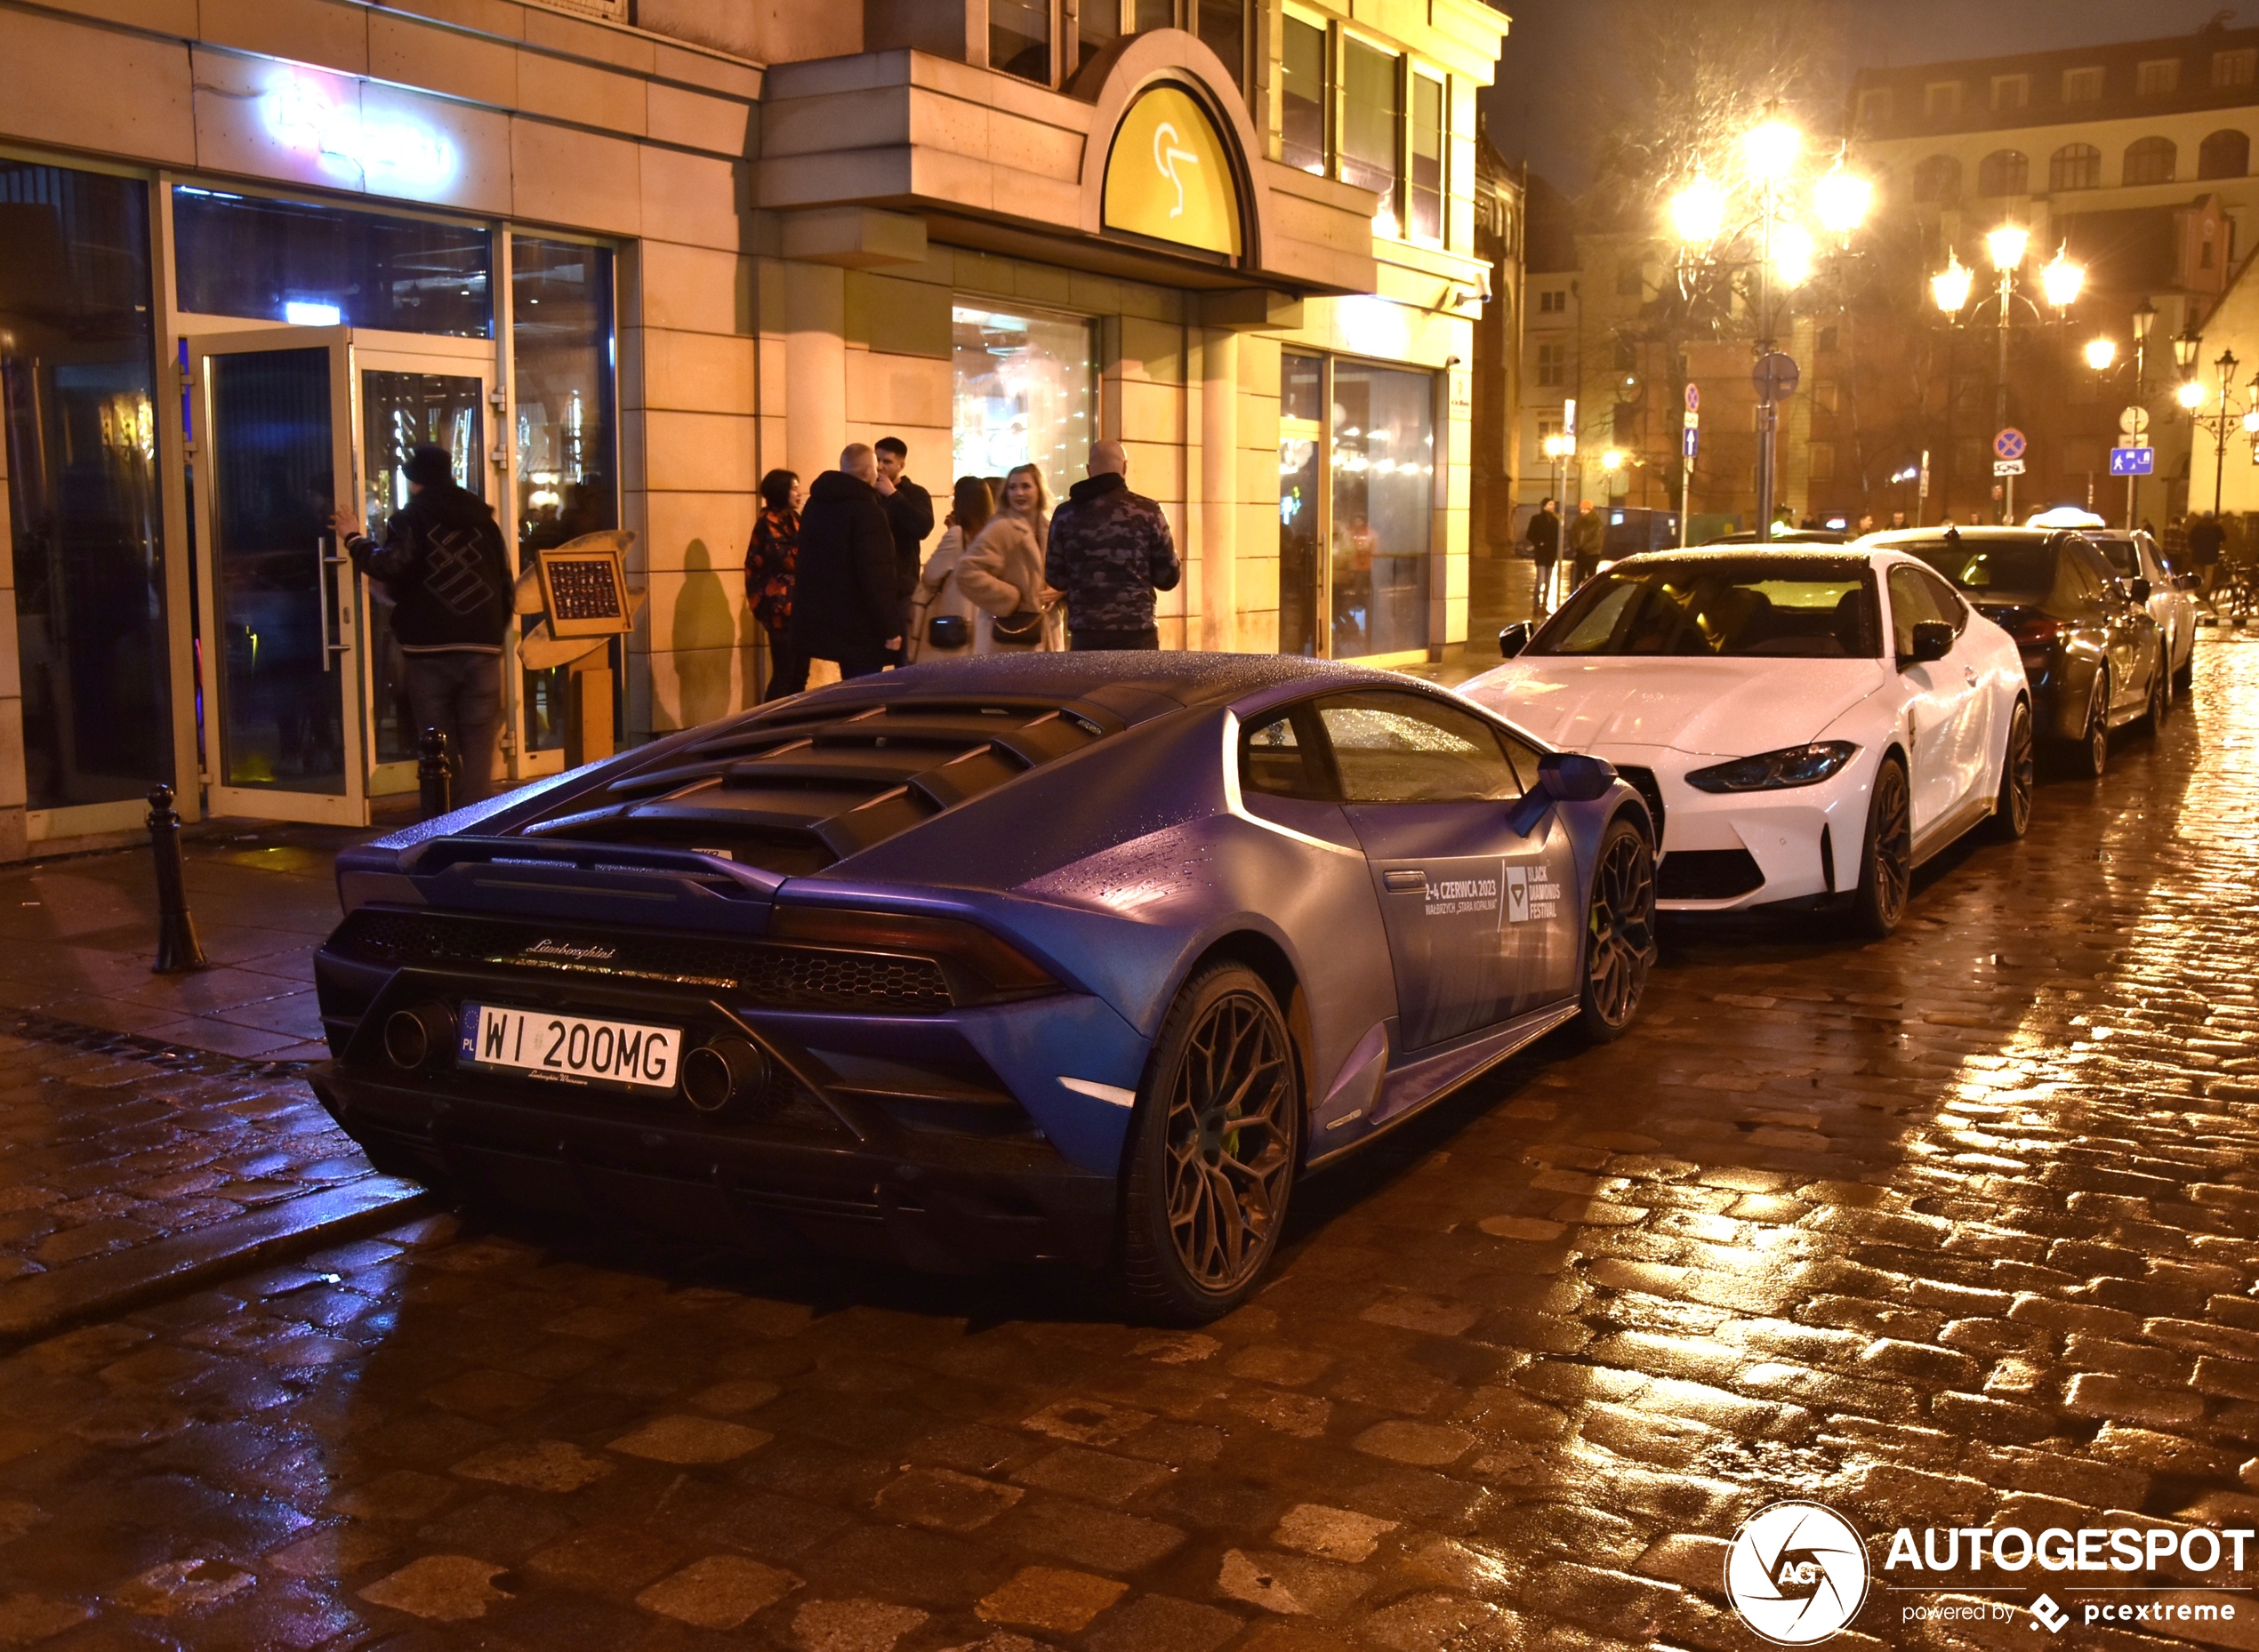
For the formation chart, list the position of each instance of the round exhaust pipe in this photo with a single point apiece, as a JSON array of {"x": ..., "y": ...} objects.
[
  {"x": 728, "y": 1071},
  {"x": 417, "y": 1039}
]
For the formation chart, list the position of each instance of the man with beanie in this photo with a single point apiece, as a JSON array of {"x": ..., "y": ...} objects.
[
  {"x": 443, "y": 563},
  {"x": 845, "y": 606}
]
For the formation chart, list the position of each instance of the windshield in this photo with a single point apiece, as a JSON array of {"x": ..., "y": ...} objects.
[
  {"x": 1811, "y": 608},
  {"x": 2125, "y": 561},
  {"x": 1981, "y": 567}
]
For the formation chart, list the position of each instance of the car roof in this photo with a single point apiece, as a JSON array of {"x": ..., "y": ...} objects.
[
  {"x": 1133, "y": 687},
  {"x": 1982, "y": 534},
  {"x": 1786, "y": 536}
]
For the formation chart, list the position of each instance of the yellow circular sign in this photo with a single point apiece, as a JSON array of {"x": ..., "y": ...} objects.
[{"x": 1170, "y": 175}]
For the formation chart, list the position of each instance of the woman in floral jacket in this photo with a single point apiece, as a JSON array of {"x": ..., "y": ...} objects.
[{"x": 769, "y": 568}]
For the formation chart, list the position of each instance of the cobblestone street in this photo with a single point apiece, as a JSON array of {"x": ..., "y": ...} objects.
[{"x": 1957, "y": 1230}]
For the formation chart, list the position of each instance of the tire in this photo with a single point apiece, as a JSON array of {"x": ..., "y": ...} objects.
[
  {"x": 2160, "y": 700},
  {"x": 2012, "y": 809},
  {"x": 1620, "y": 934},
  {"x": 1214, "y": 1147},
  {"x": 1885, "y": 855},
  {"x": 2184, "y": 679},
  {"x": 2090, "y": 752}
]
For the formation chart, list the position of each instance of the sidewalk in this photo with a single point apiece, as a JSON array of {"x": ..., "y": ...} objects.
[{"x": 156, "y": 1131}]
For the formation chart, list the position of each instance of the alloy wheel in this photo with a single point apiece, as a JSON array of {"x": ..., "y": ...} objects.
[
  {"x": 1893, "y": 831},
  {"x": 2096, "y": 740},
  {"x": 1623, "y": 929},
  {"x": 2021, "y": 773},
  {"x": 2160, "y": 696},
  {"x": 1230, "y": 1157}
]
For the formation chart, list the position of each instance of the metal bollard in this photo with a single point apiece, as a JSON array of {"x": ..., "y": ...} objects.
[
  {"x": 178, "y": 950},
  {"x": 432, "y": 774}
]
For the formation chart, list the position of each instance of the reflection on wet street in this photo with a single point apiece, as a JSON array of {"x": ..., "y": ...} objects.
[{"x": 1953, "y": 1230}]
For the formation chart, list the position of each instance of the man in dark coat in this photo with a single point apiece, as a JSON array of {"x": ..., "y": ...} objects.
[
  {"x": 1110, "y": 550},
  {"x": 844, "y": 601},
  {"x": 1544, "y": 534},
  {"x": 910, "y": 516},
  {"x": 443, "y": 563}
]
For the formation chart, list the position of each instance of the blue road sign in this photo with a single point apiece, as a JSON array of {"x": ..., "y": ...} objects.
[
  {"x": 2133, "y": 460},
  {"x": 2009, "y": 444},
  {"x": 1694, "y": 441}
]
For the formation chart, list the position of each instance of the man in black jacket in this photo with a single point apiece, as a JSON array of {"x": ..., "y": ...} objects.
[
  {"x": 444, "y": 568},
  {"x": 910, "y": 517},
  {"x": 1110, "y": 550},
  {"x": 845, "y": 606}
]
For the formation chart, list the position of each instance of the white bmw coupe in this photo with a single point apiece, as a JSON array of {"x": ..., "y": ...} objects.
[{"x": 1808, "y": 723}]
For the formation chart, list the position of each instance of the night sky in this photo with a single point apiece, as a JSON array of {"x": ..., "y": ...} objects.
[{"x": 1557, "y": 45}]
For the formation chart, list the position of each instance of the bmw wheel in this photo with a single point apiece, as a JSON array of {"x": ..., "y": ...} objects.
[
  {"x": 1620, "y": 934},
  {"x": 2012, "y": 810},
  {"x": 2092, "y": 752},
  {"x": 1886, "y": 857},
  {"x": 1214, "y": 1149}
]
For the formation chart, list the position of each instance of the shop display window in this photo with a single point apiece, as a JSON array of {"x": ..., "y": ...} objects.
[
  {"x": 561, "y": 347},
  {"x": 78, "y": 416},
  {"x": 1026, "y": 392},
  {"x": 321, "y": 266},
  {"x": 1382, "y": 449}
]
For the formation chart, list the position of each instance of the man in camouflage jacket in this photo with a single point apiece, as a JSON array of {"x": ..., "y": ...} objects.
[{"x": 1110, "y": 550}]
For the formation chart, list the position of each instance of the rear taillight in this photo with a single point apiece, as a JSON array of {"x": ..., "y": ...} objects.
[
  {"x": 2036, "y": 637},
  {"x": 980, "y": 967}
]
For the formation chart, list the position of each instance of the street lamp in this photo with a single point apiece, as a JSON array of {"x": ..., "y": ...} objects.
[
  {"x": 2060, "y": 281},
  {"x": 1760, "y": 234},
  {"x": 2102, "y": 354},
  {"x": 2227, "y": 415},
  {"x": 2060, "y": 284},
  {"x": 2190, "y": 395}
]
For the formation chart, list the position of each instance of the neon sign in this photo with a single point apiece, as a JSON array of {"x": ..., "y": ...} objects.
[{"x": 382, "y": 152}]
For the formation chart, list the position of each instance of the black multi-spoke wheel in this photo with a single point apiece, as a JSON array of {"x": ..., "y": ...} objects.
[
  {"x": 1887, "y": 858},
  {"x": 2091, "y": 754},
  {"x": 1620, "y": 933},
  {"x": 1218, "y": 1140},
  {"x": 2012, "y": 809}
]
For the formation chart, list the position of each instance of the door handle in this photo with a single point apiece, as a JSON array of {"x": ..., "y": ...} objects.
[
  {"x": 1969, "y": 671},
  {"x": 1404, "y": 883}
]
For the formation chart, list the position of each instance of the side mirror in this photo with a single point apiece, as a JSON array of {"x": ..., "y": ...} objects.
[
  {"x": 1574, "y": 777},
  {"x": 1514, "y": 639},
  {"x": 1933, "y": 641},
  {"x": 2140, "y": 590}
]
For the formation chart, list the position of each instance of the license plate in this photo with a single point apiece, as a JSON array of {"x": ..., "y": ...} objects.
[{"x": 570, "y": 1049}]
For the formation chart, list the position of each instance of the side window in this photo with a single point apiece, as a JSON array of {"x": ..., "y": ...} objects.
[
  {"x": 1525, "y": 758},
  {"x": 1946, "y": 600},
  {"x": 2098, "y": 569},
  {"x": 1283, "y": 757},
  {"x": 2085, "y": 571},
  {"x": 1392, "y": 748},
  {"x": 1910, "y": 603}
]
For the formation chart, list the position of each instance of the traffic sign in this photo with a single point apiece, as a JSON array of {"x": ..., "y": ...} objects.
[
  {"x": 2133, "y": 420},
  {"x": 1693, "y": 420},
  {"x": 1693, "y": 398},
  {"x": 2129, "y": 461},
  {"x": 2007, "y": 466},
  {"x": 1774, "y": 376},
  {"x": 1694, "y": 436},
  {"x": 2009, "y": 444}
]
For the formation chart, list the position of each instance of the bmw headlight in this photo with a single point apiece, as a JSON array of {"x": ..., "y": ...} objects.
[{"x": 1776, "y": 771}]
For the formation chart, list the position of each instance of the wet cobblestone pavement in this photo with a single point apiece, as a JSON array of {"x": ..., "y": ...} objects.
[{"x": 1957, "y": 1230}]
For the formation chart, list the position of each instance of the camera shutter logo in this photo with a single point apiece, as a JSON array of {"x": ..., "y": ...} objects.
[{"x": 1796, "y": 1572}]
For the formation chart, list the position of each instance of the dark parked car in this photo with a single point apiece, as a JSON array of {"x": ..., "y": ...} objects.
[
  {"x": 1083, "y": 955},
  {"x": 2093, "y": 654}
]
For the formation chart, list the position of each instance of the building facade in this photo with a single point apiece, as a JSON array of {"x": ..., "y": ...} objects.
[{"x": 623, "y": 259}]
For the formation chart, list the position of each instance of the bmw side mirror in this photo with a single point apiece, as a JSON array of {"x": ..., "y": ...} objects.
[
  {"x": 1514, "y": 639},
  {"x": 2141, "y": 588},
  {"x": 1933, "y": 641},
  {"x": 1574, "y": 777}
]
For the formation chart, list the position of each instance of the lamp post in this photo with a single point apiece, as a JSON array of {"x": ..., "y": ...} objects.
[
  {"x": 2226, "y": 416},
  {"x": 2060, "y": 282},
  {"x": 2101, "y": 356},
  {"x": 1558, "y": 448},
  {"x": 1749, "y": 226}
]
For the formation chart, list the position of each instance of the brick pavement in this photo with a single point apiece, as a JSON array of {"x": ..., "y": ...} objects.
[{"x": 1958, "y": 1228}]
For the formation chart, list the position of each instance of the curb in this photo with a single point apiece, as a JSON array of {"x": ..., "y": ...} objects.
[{"x": 42, "y": 1304}]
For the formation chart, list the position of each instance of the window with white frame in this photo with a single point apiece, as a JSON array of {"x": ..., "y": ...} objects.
[
  {"x": 1552, "y": 366},
  {"x": 2082, "y": 85},
  {"x": 2160, "y": 77},
  {"x": 2235, "y": 68},
  {"x": 1942, "y": 99},
  {"x": 1875, "y": 106},
  {"x": 2011, "y": 92}
]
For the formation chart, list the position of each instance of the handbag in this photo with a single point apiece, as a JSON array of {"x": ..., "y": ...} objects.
[
  {"x": 948, "y": 631},
  {"x": 1018, "y": 631}
]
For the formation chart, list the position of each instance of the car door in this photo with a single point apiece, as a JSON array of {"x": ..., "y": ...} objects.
[
  {"x": 1481, "y": 917},
  {"x": 1937, "y": 695},
  {"x": 1977, "y": 736},
  {"x": 2126, "y": 626}
]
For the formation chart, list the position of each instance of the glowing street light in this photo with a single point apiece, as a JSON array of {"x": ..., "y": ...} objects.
[
  {"x": 1840, "y": 200},
  {"x": 1951, "y": 285},
  {"x": 1793, "y": 254},
  {"x": 2102, "y": 354},
  {"x": 1559, "y": 447},
  {"x": 2007, "y": 246},
  {"x": 2190, "y": 395},
  {"x": 2062, "y": 279},
  {"x": 1613, "y": 459},
  {"x": 1770, "y": 148},
  {"x": 1698, "y": 212}
]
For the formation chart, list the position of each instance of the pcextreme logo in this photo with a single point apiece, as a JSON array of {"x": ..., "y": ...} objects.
[{"x": 1798, "y": 1573}]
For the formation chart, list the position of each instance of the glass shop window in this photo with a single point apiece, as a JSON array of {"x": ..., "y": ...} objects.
[
  {"x": 1303, "y": 96},
  {"x": 324, "y": 265},
  {"x": 1382, "y": 457},
  {"x": 1019, "y": 38},
  {"x": 1372, "y": 129},
  {"x": 1427, "y": 180},
  {"x": 569, "y": 481},
  {"x": 79, "y": 418},
  {"x": 1026, "y": 392},
  {"x": 1301, "y": 480}
]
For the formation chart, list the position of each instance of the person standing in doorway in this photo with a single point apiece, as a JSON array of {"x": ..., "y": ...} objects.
[
  {"x": 845, "y": 604},
  {"x": 910, "y": 517},
  {"x": 769, "y": 568},
  {"x": 1110, "y": 550},
  {"x": 1544, "y": 535},
  {"x": 443, "y": 563},
  {"x": 1587, "y": 535}
]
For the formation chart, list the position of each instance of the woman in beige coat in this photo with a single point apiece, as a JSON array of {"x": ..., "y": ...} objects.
[
  {"x": 1002, "y": 571},
  {"x": 939, "y": 594}
]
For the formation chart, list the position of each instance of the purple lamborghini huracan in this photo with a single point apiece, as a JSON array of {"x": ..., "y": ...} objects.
[{"x": 1085, "y": 956}]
